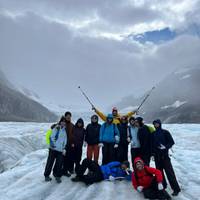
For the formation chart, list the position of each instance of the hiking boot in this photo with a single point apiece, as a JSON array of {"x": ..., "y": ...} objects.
[
  {"x": 175, "y": 193},
  {"x": 67, "y": 174},
  {"x": 75, "y": 179},
  {"x": 48, "y": 179},
  {"x": 58, "y": 179}
]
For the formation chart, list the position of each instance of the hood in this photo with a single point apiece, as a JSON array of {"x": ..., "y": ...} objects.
[
  {"x": 158, "y": 121},
  {"x": 109, "y": 116},
  {"x": 97, "y": 119},
  {"x": 80, "y": 120},
  {"x": 138, "y": 159},
  {"x": 140, "y": 120}
]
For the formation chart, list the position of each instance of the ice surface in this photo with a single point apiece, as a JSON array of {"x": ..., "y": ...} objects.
[{"x": 23, "y": 155}]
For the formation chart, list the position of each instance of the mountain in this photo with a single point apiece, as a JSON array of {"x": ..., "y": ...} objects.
[
  {"x": 15, "y": 106},
  {"x": 176, "y": 99}
]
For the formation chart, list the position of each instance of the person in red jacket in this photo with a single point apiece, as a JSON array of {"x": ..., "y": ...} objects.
[{"x": 148, "y": 180}]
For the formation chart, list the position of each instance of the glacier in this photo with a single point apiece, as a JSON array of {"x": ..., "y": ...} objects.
[{"x": 23, "y": 155}]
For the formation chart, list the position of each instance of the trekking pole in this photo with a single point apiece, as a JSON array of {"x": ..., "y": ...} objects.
[
  {"x": 147, "y": 96},
  {"x": 83, "y": 93}
]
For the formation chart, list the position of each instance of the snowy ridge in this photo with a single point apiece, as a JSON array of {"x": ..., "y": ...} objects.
[
  {"x": 25, "y": 181},
  {"x": 176, "y": 104}
]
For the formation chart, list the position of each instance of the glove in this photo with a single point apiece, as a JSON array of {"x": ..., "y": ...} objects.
[
  {"x": 85, "y": 144},
  {"x": 128, "y": 139},
  {"x": 111, "y": 178},
  {"x": 162, "y": 147},
  {"x": 152, "y": 158},
  {"x": 116, "y": 146},
  {"x": 136, "y": 112},
  {"x": 100, "y": 145},
  {"x": 117, "y": 138},
  {"x": 140, "y": 188},
  {"x": 160, "y": 186},
  {"x": 64, "y": 152}
]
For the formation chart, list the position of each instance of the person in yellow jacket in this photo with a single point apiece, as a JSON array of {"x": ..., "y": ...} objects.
[{"x": 116, "y": 115}]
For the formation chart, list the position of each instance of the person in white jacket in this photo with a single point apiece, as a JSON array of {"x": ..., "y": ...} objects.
[
  {"x": 133, "y": 139},
  {"x": 58, "y": 141}
]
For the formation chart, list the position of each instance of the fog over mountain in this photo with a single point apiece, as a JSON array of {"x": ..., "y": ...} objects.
[
  {"x": 176, "y": 98},
  {"x": 15, "y": 106}
]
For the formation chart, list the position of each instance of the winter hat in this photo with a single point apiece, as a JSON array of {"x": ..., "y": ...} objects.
[
  {"x": 140, "y": 121},
  {"x": 138, "y": 159},
  {"x": 80, "y": 120},
  {"x": 110, "y": 116},
  {"x": 126, "y": 163},
  {"x": 62, "y": 119},
  {"x": 114, "y": 109},
  {"x": 157, "y": 121}
]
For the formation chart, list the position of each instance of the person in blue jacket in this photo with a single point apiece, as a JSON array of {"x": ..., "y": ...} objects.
[
  {"x": 58, "y": 141},
  {"x": 109, "y": 139},
  {"x": 111, "y": 171}
]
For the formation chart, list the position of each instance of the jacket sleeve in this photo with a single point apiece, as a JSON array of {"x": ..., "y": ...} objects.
[
  {"x": 48, "y": 135},
  {"x": 156, "y": 172},
  {"x": 117, "y": 133},
  {"x": 86, "y": 133},
  {"x": 65, "y": 140},
  {"x": 101, "y": 133},
  {"x": 129, "y": 114},
  {"x": 169, "y": 140},
  {"x": 134, "y": 182},
  {"x": 101, "y": 115},
  {"x": 113, "y": 164}
]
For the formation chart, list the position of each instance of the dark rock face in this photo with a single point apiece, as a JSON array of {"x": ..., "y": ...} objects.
[{"x": 14, "y": 106}]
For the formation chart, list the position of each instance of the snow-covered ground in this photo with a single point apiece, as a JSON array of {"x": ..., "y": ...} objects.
[{"x": 23, "y": 155}]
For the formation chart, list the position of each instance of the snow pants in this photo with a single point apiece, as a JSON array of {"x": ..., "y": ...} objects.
[
  {"x": 57, "y": 158},
  {"x": 108, "y": 153},
  {"x": 94, "y": 174},
  {"x": 68, "y": 165},
  {"x": 121, "y": 153},
  {"x": 163, "y": 163},
  {"x": 135, "y": 152},
  {"x": 93, "y": 152},
  {"x": 153, "y": 193},
  {"x": 77, "y": 157}
]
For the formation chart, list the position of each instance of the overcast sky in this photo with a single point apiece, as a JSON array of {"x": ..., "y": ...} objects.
[{"x": 51, "y": 47}]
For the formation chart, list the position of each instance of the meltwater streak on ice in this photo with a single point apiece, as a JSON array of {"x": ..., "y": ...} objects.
[{"x": 23, "y": 155}]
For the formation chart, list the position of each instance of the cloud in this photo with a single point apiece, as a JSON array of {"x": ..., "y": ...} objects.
[{"x": 52, "y": 48}]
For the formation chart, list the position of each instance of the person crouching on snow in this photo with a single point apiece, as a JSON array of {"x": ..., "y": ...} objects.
[
  {"x": 58, "y": 141},
  {"x": 111, "y": 171},
  {"x": 148, "y": 180}
]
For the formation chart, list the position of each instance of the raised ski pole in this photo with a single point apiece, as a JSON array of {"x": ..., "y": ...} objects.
[
  {"x": 147, "y": 96},
  {"x": 83, "y": 93}
]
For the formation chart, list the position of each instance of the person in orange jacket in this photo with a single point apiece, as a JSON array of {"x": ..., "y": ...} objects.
[
  {"x": 148, "y": 180},
  {"x": 116, "y": 115}
]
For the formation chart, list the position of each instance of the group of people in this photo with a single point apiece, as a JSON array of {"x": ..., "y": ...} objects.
[{"x": 66, "y": 142}]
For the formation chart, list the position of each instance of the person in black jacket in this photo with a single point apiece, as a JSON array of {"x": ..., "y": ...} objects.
[
  {"x": 79, "y": 137},
  {"x": 145, "y": 138},
  {"x": 92, "y": 139},
  {"x": 122, "y": 150},
  {"x": 162, "y": 142}
]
